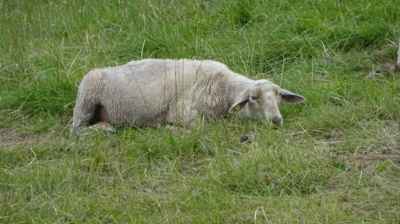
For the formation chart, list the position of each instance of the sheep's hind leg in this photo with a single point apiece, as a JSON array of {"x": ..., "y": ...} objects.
[
  {"x": 94, "y": 115},
  {"x": 79, "y": 125},
  {"x": 103, "y": 126},
  {"x": 100, "y": 121}
]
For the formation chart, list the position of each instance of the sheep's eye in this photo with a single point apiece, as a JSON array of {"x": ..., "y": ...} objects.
[{"x": 254, "y": 99}]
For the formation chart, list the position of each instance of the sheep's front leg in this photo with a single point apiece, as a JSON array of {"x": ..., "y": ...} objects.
[{"x": 182, "y": 114}]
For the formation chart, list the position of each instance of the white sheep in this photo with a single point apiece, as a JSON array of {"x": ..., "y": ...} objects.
[{"x": 153, "y": 91}]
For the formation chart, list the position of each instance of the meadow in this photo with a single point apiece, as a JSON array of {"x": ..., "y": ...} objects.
[{"x": 336, "y": 158}]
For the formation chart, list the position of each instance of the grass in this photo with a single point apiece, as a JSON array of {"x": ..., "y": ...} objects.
[{"x": 335, "y": 160}]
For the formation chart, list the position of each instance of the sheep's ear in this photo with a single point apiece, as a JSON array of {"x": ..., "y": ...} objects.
[
  {"x": 240, "y": 103},
  {"x": 238, "y": 106},
  {"x": 290, "y": 97}
]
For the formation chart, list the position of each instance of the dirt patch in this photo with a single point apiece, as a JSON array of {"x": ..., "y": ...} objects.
[
  {"x": 372, "y": 163},
  {"x": 364, "y": 158},
  {"x": 9, "y": 139}
]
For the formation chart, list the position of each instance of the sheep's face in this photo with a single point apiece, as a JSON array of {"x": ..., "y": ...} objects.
[{"x": 261, "y": 101}]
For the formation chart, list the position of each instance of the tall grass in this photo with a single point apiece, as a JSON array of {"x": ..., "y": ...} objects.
[{"x": 335, "y": 160}]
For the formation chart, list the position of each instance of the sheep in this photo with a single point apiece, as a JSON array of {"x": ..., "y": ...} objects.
[{"x": 153, "y": 92}]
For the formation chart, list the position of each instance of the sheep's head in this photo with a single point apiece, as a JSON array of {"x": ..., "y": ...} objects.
[{"x": 261, "y": 101}]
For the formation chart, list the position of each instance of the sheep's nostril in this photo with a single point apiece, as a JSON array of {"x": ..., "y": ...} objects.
[{"x": 276, "y": 121}]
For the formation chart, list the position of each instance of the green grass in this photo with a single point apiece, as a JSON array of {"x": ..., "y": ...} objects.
[{"x": 336, "y": 159}]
